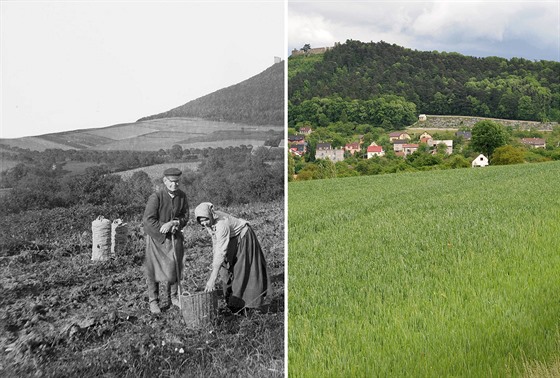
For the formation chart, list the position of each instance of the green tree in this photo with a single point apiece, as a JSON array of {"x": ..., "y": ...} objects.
[
  {"x": 487, "y": 136},
  {"x": 457, "y": 161},
  {"x": 506, "y": 155},
  {"x": 176, "y": 152},
  {"x": 291, "y": 167}
]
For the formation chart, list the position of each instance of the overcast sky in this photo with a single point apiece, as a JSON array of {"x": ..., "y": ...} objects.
[
  {"x": 526, "y": 29},
  {"x": 69, "y": 65}
]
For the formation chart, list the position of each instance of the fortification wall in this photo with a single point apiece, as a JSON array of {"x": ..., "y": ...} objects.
[
  {"x": 456, "y": 122},
  {"x": 317, "y": 50}
]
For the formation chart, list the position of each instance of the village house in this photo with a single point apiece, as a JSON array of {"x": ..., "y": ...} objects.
[
  {"x": 410, "y": 148},
  {"x": 321, "y": 146},
  {"x": 298, "y": 145},
  {"x": 375, "y": 151},
  {"x": 433, "y": 143},
  {"x": 352, "y": 148},
  {"x": 296, "y": 139},
  {"x": 398, "y": 145},
  {"x": 325, "y": 151},
  {"x": 479, "y": 161},
  {"x": 425, "y": 137},
  {"x": 398, "y": 135},
  {"x": 298, "y": 149},
  {"x": 305, "y": 130},
  {"x": 534, "y": 142}
]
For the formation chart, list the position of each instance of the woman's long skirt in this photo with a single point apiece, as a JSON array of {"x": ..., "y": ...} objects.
[{"x": 246, "y": 284}]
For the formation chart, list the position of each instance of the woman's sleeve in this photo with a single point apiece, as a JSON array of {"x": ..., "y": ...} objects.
[{"x": 220, "y": 240}]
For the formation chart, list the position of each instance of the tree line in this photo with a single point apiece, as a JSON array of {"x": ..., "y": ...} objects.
[{"x": 225, "y": 176}]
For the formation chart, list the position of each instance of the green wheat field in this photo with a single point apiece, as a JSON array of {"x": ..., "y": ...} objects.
[{"x": 429, "y": 274}]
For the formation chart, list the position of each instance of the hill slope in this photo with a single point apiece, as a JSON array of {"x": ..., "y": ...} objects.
[
  {"x": 437, "y": 83},
  {"x": 256, "y": 101},
  {"x": 248, "y": 113}
]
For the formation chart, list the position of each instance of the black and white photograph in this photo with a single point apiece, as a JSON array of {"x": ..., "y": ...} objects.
[{"x": 142, "y": 188}]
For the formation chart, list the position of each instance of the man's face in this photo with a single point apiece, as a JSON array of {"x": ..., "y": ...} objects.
[{"x": 171, "y": 183}]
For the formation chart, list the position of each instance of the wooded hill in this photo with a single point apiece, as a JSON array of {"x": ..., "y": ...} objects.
[
  {"x": 435, "y": 82},
  {"x": 258, "y": 100}
]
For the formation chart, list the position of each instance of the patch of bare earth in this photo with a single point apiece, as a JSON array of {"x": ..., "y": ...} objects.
[{"x": 65, "y": 315}]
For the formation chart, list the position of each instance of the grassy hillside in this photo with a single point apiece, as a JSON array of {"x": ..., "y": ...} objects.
[
  {"x": 153, "y": 135},
  {"x": 442, "y": 273}
]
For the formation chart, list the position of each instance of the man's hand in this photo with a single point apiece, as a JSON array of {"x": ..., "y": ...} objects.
[{"x": 166, "y": 227}]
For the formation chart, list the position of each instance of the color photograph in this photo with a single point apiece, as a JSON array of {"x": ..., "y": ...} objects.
[{"x": 423, "y": 196}]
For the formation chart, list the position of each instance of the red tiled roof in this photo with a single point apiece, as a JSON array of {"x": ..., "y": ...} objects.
[{"x": 375, "y": 149}]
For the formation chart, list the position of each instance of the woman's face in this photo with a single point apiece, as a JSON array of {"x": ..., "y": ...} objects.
[{"x": 206, "y": 222}]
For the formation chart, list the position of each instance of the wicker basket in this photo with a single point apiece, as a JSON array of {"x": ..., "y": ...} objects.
[{"x": 199, "y": 308}]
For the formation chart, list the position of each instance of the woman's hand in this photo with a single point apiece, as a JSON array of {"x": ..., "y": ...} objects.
[{"x": 210, "y": 285}]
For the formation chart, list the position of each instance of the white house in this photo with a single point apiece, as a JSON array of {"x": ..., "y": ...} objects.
[
  {"x": 375, "y": 151},
  {"x": 448, "y": 145},
  {"x": 480, "y": 161},
  {"x": 325, "y": 151}
]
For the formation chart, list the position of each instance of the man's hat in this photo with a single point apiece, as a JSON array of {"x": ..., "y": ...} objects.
[{"x": 172, "y": 172}]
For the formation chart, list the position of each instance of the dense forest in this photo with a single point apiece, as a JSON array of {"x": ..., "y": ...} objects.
[
  {"x": 385, "y": 85},
  {"x": 258, "y": 100}
]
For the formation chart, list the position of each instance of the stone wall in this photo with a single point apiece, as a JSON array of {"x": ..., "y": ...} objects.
[
  {"x": 456, "y": 122},
  {"x": 317, "y": 50}
]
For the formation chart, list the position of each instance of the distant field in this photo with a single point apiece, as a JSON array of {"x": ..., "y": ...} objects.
[
  {"x": 432, "y": 274},
  {"x": 77, "y": 167},
  {"x": 35, "y": 143},
  {"x": 125, "y": 131},
  {"x": 156, "y": 171},
  {"x": 151, "y": 135}
]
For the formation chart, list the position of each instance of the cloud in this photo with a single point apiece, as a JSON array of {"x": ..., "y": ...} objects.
[{"x": 528, "y": 29}]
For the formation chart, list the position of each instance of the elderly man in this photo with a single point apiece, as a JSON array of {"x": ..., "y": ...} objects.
[{"x": 167, "y": 212}]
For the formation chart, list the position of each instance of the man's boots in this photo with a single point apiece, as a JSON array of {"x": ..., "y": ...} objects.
[{"x": 170, "y": 291}]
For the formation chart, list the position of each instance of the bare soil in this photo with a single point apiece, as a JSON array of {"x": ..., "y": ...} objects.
[{"x": 63, "y": 315}]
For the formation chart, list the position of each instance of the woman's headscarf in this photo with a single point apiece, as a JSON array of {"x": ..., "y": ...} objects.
[{"x": 204, "y": 210}]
